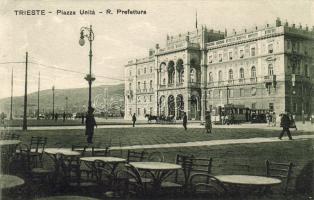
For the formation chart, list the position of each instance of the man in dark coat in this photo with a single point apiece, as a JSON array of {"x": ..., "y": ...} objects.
[
  {"x": 134, "y": 119},
  {"x": 90, "y": 123},
  {"x": 185, "y": 120},
  {"x": 285, "y": 124},
  {"x": 208, "y": 122}
]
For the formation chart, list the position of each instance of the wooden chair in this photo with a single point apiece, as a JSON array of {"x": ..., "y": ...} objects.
[
  {"x": 201, "y": 165},
  {"x": 281, "y": 171},
  {"x": 206, "y": 184},
  {"x": 156, "y": 156},
  {"x": 176, "y": 184},
  {"x": 136, "y": 183},
  {"x": 33, "y": 152},
  {"x": 102, "y": 152},
  {"x": 135, "y": 156}
]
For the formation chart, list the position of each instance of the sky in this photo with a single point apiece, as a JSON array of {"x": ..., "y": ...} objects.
[{"x": 52, "y": 40}]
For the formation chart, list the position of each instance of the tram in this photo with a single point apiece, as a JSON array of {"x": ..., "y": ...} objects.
[{"x": 230, "y": 114}]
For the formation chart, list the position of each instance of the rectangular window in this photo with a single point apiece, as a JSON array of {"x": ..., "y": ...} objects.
[
  {"x": 138, "y": 112},
  {"x": 241, "y": 92},
  {"x": 253, "y": 105},
  {"x": 220, "y": 57},
  {"x": 270, "y": 48},
  {"x": 271, "y": 106},
  {"x": 230, "y": 55},
  {"x": 253, "y": 51},
  {"x": 241, "y": 53},
  {"x": 150, "y": 98}
]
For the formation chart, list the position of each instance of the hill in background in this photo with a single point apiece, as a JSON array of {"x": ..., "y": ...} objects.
[{"x": 103, "y": 97}]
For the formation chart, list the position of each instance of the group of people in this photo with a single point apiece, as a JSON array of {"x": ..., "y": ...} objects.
[{"x": 271, "y": 118}]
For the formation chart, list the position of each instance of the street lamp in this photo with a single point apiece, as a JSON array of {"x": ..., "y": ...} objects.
[{"x": 89, "y": 78}]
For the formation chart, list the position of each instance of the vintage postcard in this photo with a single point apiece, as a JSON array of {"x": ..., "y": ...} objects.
[{"x": 156, "y": 99}]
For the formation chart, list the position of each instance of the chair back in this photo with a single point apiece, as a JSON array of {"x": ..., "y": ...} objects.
[
  {"x": 186, "y": 162},
  {"x": 135, "y": 156},
  {"x": 79, "y": 148},
  {"x": 281, "y": 171},
  {"x": 38, "y": 144},
  {"x": 206, "y": 183},
  {"x": 102, "y": 152},
  {"x": 156, "y": 156},
  {"x": 202, "y": 165}
]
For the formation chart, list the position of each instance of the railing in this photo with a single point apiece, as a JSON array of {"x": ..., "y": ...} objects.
[
  {"x": 253, "y": 79},
  {"x": 270, "y": 78},
  {"x": 194, "y": 84},
  {"x": 241, "y": 80},
  {"x": 230, "y": 82}
]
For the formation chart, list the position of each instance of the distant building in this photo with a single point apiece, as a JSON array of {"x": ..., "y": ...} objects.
[{"x": 269, "y": 68}]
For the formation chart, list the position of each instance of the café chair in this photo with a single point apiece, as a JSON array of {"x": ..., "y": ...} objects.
[
  {"x": 173, "y": 182},
  {"x": 136, "y": 183},
  {"x": 135, "y": 156},
  {"x": 282, "y": 171},
  {"x": 156, "y": 156},
  {"x": 102, "y": 152},
  {"x": 33, "y": 152},
  {"x": 206, "y": 184},
  {"x": 201, "y": 165}
]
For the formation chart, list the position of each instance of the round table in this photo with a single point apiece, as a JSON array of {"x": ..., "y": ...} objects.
[
  {"x": 159, "y": 166},
  {"x": 248, "y": 180},
  {"x": 63, "y": 151},
  {"x": 159, "y": 171},
  {"x": 9, "y": 142},
  {"x": 10, "y": 181},
  {"x": 67, "y": 198},
  {"x": 103, "y": 158}
]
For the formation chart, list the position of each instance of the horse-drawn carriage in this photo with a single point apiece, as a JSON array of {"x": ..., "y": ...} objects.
[{"x": 161, "y": 119}]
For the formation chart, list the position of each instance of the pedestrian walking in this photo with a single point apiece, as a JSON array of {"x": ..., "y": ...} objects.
[
  {"x": 185, "y": 120},
  {"x": 208, "y": 122},
  {"x": 292, "y": 122},
  {"x": 90, "y": 123},
  {"x": 274, "y": 118},
  {"x": 134, "y": 119},
  {"x": 285, "y": 124},
  {"x": 63, "y": 116},
  {"x": 83, "y": 118}
]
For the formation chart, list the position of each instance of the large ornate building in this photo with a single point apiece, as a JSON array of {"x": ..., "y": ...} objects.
[{"x": 270, "y": 68}]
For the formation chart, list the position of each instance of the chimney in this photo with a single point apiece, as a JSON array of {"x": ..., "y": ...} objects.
[
  {"x": 293, "y": 25},
  {"x": 256, "y": 27},
  {"x": 245, "y": 30},
  {"x": 267, "y": 25},
  {"x": 278, "y": 22},
  {"x": 157, "y": 46},
  {"x": 187, "y": 38}
]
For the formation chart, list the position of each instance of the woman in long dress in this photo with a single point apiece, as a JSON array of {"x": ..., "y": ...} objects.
[{"x": 208, "y": 123}]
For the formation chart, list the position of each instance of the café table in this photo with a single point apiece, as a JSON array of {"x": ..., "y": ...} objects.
[
  {"x": 8, "y": 148},
  {"x": 67, "y": 197},
  {"x": 10, "y": 181},
  {"x": 55, "y": 154},
  {"x": 111, "y": 162},
  {"x": 249, "y": 182},
  {"x": 159, "y": 171}
]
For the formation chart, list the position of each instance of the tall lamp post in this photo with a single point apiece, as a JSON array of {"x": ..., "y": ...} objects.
[{"x": 87, "y": 32}]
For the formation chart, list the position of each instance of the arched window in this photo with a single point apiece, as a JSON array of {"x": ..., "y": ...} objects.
[
  {"x": 144, "y": 85},
  {"x": 241, "y": 73},
  {"x": 151, "y": 84},
  {"x": 230, "y": 74},
  {"x": 306, "y": 71},
  {"x": 270, "y": 70},
  {"x": 138, "y": 85},
  {"x": 181, "y": 76},
  {"x": 130, "y": 86},
  {"x": 220, "y": 76},
  {"x": 253, "y": 72},
  {"x": 210, "y": 77},
  {"x": 193, "y": 75}
]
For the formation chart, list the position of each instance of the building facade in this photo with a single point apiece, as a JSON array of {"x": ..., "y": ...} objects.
[{"x": 268, "y": 68}]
